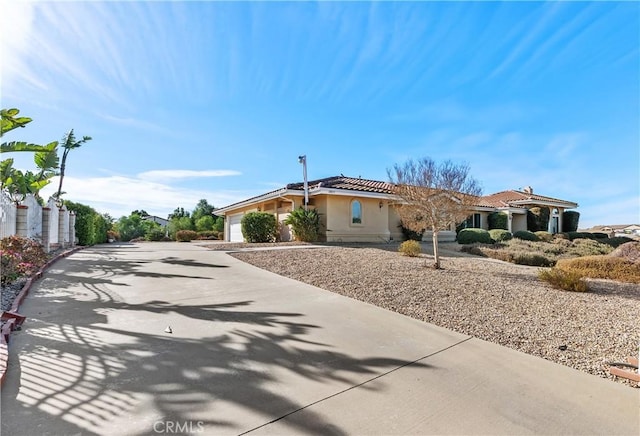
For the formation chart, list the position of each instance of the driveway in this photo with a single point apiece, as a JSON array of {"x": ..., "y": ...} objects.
[{"x": 253, "y": 352}]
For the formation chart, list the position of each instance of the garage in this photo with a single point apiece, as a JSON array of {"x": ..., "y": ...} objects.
[{"x": 235, "y": 228}]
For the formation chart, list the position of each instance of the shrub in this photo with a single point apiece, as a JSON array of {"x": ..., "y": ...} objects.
[
  {"x": 580, "y": 235},
  {"x": 498, "y": 220},
  {"x": 473, "y": 249},
  {"x": 208, "y": 234},
  {"x": 410, "y": 235},
  {"x": 537, "y": 219},
  {"x": 566, "y": 280},
  {"x": 544, "y": 236},
  {"x": 470, "y": 236},
  {"x": 617, "y": 241},
  {"x": 602, "y": 267},
  {"x": 570, "y": 219},
  {"x": 186, "y": 235},
  {"x": 525, "y": 235},
  {"x": 599, "y": 235},
  {"x": 154, "y": 234},
  {"x": 588, "y": 247},
  {"x": 499, "y": 235},
  {"x": 20, "y": 257},
  {"x": 259, "y": 227},
  {"x": 305, "y": 224},
  {"x": 178, "y": 223},
  {"x": 563, "y": 236},
  {"x": 91, "y": 227},
  {"x": 532, "y": 259},
  {"x": 410, "y": 248}
]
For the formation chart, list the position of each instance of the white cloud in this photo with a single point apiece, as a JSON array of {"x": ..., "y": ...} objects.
[
  {"x": 159, "y": 175},
  {"x": 119, "y": 195}
]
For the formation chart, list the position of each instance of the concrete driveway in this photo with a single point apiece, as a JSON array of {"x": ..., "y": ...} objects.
[{"x": 253, "y": 352}]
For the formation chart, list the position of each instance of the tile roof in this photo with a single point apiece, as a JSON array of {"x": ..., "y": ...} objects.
[
  {"x": 497, "y": 200},
  {"x": 347, "y": 183},
  {"x": 506, "y": 198}
]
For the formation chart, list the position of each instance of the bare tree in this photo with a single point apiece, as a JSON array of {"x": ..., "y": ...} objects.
[{"x": 433, "y": 196}]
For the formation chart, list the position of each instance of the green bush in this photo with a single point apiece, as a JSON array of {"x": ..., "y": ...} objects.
[
  {"x": 204, "y": 223},
  {"x": 537, "y": 219},
  {"x": 410, "y": 248},
  {"x": 544, "y": 236},
  {"x": 570, "y": 219},
  {"x": 259, "y": 227},
  {"x": 498, "y": 221},
  {"x": 499, "y": 235},
  {"x": 154, "y": 234},
  {"x": 580, "y": 235},
  {"x": 617, "y": 241},
  {"x": 305, "y": 224},
  {"x": 599, "y": 235},
  {"x": 525, "y": 235},
  {"x": 186, "y": 235},
  {"x": 91, "y": 227},
  {"x": 566, "y": 280},
  {"x": 178, "y": 223},
  {"x": 471, "y": 236}
]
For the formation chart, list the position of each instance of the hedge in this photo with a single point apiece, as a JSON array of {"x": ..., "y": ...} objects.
[
  {"x": 498, "y": 220},
  {"x": 471, "y": 236}
]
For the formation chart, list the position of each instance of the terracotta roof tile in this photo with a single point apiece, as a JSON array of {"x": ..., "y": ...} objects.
[
  {"x": 505, "y": 198},
  {"x": 348, "y": 183}
]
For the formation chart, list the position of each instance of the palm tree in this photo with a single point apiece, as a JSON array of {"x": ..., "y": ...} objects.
[{"x": 69, "y": 143}]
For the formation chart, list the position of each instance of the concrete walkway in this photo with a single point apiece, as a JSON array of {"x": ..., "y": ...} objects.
[{"x": 253, "y": 352}]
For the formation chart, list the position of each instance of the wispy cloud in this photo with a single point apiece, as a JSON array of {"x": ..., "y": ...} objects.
[{"x": 159, "y": 175}]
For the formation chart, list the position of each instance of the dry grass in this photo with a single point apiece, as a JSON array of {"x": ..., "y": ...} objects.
[
  {"x": 602, "y": 267},
  {"x": 565, "y": 280}
]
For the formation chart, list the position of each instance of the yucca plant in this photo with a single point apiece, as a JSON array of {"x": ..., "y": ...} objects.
[{"x": 305, "y": 224}]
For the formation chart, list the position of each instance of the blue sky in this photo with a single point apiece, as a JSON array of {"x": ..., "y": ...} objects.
[{"x": 190, "y": 100}]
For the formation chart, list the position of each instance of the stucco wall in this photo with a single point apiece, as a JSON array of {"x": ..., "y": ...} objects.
[{"x": 374, "y": 226}]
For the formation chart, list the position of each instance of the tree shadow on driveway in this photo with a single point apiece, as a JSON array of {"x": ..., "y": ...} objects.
[{"x": 77, "y": 371}]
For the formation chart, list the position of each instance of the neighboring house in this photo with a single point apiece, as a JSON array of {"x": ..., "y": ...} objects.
[
  {"x": 156, "y": 219},
  {"x": 619, "y": 229},
  {"x": 361, "y": 210}
]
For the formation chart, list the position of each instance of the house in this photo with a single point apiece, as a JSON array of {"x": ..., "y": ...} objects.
[
  {"x": 156, "y": 219},
  {"x": 617, "y": 229},
  {"x": 361, "y": 210}
]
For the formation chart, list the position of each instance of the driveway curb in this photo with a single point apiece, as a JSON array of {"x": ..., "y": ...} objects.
[{"x": 13, "y": 317}]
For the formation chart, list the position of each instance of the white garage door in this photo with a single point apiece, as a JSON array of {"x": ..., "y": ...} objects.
[{"x": 235, "y": 230}]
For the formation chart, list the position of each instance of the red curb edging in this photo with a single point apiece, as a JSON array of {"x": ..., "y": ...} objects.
[{"x": 14, "y": 319}]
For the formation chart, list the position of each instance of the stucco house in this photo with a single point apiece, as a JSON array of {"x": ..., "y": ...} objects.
[{"x": 361, "y": 210}]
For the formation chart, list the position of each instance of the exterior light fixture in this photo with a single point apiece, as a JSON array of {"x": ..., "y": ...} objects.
[{"x": 380, "y": 204}]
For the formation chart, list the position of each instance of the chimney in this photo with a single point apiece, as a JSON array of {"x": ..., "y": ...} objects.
[{"x": 528, "y": 190}]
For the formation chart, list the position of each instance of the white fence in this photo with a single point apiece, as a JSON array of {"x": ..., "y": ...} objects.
[
  {"x": 8, "y": 213},
  {"x": 52, "y": 227}
]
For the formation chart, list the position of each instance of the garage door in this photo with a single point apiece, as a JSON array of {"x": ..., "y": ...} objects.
[{"x": 235, "y": 230}]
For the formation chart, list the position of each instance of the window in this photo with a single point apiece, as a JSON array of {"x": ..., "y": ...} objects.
[
  {"x": 476, "y": 221},
  {"x": 356, "y": 212},
  {"x": 473, "y": 221}
]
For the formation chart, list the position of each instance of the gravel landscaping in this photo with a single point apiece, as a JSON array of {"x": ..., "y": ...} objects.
[{"x": 489, "y": 299}]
